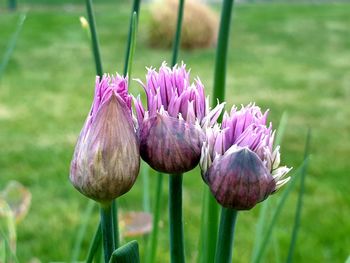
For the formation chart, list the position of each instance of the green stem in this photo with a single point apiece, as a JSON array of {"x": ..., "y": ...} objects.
[
  {"x": 177, "y": 254},
  {"x": 12, "y": 43},
  {"x": 212, "y": 208},
  {"x": 115, "y": 223},
  {"x": 202, "y": 256},
  {"x": 12, "y": 4},
  {"x": 132, "y": 44},
  {"x": 107, "y": 230},
  {"x": 94, "y": 38},
  {"x": 94, "y": 245},
  {"x": 177, "y": 37},
  {"x": 145, "y": 185},
  {"x": 226, "y": 234},
  {"x": 154, "y": 236},
  {"x": 299, "y": 203},
  {"x": 221, "y": 52},
  {"x": 135, "y": 8},
  {"x": 82, "y": 230}
]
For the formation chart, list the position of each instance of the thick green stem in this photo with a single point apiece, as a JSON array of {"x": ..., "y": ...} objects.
[
  {"x": 177, "y": 254},
  {"x": 226, "y": 234},
  {"x": 210, "y": 237},
  {"x": 94, "y": 245},
  {"x": 177, "y": 37},
  {"x": 211, "y": 230},
  {"x": 107, "y": 230},
  {"x": 154, "y": 237},
  {"x": 94, "y": 38}
]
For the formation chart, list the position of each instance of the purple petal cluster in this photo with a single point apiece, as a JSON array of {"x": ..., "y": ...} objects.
[
  {"x": 102, "y": 167},
  {"x": 170, "y": 92},
  {"x": 176, "y": 131},
  {"x": 105, "y": 89},
  {"x": 170, "y": 130},
  {"x": 238, "y": 161}
]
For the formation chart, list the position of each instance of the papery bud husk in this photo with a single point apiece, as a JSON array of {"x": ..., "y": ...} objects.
[
  {"x": 239, "y": 179},
  {"x": 106, "y": 160},
  {"x": 170, "y": 145}
]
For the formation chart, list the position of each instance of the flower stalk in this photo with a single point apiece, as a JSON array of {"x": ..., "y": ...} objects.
[
  {"x": 226, "y": 234},
  {"x": 151, "y": 253},
  {"x": 131, "y": 35},
  {"x": 107, "y": 234},
  {"x": 177, "y": 38},
  {"x": 94, "y": 38},
  {"x": 175, "y": 219},
  {"x": 210, "y": 235}
]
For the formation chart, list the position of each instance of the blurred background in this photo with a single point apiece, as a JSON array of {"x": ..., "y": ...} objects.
[{"x": 291, "y": 57}]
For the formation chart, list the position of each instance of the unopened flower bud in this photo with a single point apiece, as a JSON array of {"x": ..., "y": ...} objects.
[
  {"x": 170, "y": 130},
  {"x": 238, "y": 179},
  {"x": 170, "y": 145},
  {"x": 106, "y": 160},
  {"x": 238, "y": 162}
]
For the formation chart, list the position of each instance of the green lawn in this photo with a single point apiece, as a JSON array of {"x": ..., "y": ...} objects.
[{"x": 293, "y": 58}]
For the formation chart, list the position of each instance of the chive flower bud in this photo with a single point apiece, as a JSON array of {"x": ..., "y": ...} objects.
[
  {"x": 238, "y": 161},
  {"x": 106, "y": 159},
  {"x": 170, "y": 130}
]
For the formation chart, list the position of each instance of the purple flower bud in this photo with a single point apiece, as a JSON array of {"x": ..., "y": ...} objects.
[
  {"x": 106, "y": 159},
  {"x": 238, "y": 162},
  {"x": 170, "y": 145},
  {"x": 170, "y": 129}
]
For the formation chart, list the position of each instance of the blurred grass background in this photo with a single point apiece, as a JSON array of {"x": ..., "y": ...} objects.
[{"x": 285, "y": 57}]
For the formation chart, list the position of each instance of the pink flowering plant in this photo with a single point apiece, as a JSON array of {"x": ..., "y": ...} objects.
[
  {"x": 102, "y": 168},
  {"x": 238, "y": 161},
  {"x": 170, "y": 130},
  {"x": 174, "y": 131}
]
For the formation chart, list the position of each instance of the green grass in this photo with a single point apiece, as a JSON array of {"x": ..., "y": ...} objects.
[{"x": 292, "y": 58}]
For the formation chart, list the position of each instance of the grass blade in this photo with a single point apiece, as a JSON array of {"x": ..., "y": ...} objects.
[
  {"x": 94, "y": 38},
  {"x": 279, "y": 207},
  {"x": 95, "y": 246},
  {"x": 82, "y": 230},
  {"x": 264, "y": 206},
  {"x": 145, "y": 187},
  {"x": 152, "y": 249},
  {"x": 135, "y": 8},
  {"x": 12, "y": 43},
  {"x": 300, "y": 203},
  {"x": 202, "y": 253},
  {"x": 281, "y": 129},
  {"x": 259, "y": 233},
  {"x": 132, "y": 43}
]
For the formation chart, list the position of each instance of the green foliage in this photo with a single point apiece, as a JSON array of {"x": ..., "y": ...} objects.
[
  {"x": 11, "y": 44},
  {"x": 129, "y": 253},
  {"x": 292, "y": 58}
]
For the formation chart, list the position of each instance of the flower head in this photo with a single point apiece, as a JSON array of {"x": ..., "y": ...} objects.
[
  {"x": 170, "y": 129},
  {"x": 106, "y": 158},
  {"x": 238, "y": 161}
]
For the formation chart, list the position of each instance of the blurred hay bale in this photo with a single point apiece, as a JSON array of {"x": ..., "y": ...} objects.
[{"x": 199, "y": 27}]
